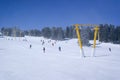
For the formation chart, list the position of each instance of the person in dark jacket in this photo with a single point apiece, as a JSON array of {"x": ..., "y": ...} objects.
[
  {"x": 30, "y": 46},
  {"x": 44, "y": 49},
  {"x": 59, "y": 48},
  {"x": 110, "y": 49}
]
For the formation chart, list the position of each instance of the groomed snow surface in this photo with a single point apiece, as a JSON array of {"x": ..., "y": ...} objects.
[{"x": 20, "y": 62}]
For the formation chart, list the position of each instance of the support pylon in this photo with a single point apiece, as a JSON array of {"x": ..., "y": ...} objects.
[
  {"x": 95, "y": 37},
  {"x": 79, "y": 39}
]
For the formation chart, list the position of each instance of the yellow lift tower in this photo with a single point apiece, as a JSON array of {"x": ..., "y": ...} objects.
[
  {"x": 96, "y": 29},
  {"x": 80, "y": 40}
]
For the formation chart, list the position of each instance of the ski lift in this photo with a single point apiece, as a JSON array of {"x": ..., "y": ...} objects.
[{"x": 95, "y": 27}]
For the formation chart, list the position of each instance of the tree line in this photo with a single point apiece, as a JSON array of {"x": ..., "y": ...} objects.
[
  {"x": 107, "y": 33},
  {"x": 56, "y": 33}
]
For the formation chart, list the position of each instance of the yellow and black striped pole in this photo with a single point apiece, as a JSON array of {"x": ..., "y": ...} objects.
[{"x": 79, "y": 39}]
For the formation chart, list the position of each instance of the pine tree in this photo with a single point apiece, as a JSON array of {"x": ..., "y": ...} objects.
[
  {"x": 60, "y": 35},
  {"x": 46, "y": 32},
  {"x": 54, "y": 33},
  {"x": 67, "y": 32},
  {"x": 84, "y": 36}
]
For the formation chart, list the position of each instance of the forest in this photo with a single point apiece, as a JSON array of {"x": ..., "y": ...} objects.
[{"x": 107, "y": 33}]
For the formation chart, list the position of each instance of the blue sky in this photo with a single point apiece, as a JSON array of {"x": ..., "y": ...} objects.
[{"x": 28, "y": 14}]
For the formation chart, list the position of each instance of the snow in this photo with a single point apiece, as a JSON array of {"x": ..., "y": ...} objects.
[{"x": 19, "y": 62}]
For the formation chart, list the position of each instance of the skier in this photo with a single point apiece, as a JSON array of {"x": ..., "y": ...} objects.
[
  {"x": 52, "y": 44},
  {"x": 30, "y": 46},
  {"x": 44, "y": 49},
  {"x": 43, "y": 43},
  {"x": 59, "y": 48},
  {"x": 41, "y": 40},
  {"x": 110, "y": 49}
]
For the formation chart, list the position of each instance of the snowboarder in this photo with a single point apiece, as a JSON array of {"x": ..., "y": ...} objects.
[
  {"x": 44, "y": 49},
  {"x": 30, "y": 46},
  {"x": 59, "y": 48}
]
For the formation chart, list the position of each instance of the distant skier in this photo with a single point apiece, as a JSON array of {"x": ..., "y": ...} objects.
[
  {"x": 44, "y": 49},
  {"x": 49, "y": 41},
  {"x": 30, "y": 46},
  {"x": 41, "y": 40},
  {"x": 43, "y": 43},
  {"x": 52, "y": 44},
  {"x": 110, "y": 49},
  {"x": 59, "y": 48}
]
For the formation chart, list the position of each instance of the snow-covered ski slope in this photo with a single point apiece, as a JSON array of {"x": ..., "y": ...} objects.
[{"x": 19, "y": 62}]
